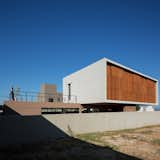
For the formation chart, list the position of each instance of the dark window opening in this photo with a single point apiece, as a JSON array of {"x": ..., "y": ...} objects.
[
  {"x": 59, "y": 100},
  {"x": 70, "y": 110},
  {"x": 50, "y": 100},
  {"x": 51, "y": 110},
  {"x": 59, "y": 110},
  {"x": 69, "y": 91}
]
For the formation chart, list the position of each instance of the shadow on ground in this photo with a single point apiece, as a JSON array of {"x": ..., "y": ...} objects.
[{"x": 33, "y": 137}]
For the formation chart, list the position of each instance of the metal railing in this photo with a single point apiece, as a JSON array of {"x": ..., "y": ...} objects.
[
  {"x": 27, "y": 96},
  {"x": 3, "y": 98}
]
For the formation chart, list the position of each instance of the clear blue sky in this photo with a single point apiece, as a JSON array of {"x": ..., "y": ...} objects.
[{"x": 45, "y": 40}]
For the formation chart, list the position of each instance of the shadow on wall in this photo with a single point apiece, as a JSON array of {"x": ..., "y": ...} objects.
[{"x": 33, "y": 137}]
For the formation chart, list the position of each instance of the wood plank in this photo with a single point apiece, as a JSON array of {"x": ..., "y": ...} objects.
[{"x": 128, "y": 86}]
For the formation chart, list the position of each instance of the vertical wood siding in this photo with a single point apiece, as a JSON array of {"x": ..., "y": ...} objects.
[{"x": 124, "y": 85}]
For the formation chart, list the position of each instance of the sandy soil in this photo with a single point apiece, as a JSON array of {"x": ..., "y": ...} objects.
[{"x": 143, "y": 143}]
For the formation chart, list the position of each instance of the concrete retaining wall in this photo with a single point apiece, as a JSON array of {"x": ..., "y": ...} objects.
[
  {"x": 98, "y": 122},
  {"x": 17, "y": 129},
  {"x": 27, "y": 129}
]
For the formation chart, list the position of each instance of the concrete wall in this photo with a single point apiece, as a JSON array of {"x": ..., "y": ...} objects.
[
  {"x": 88, "y": 84},
  {"x": 98, "y": 122},
  {"x": 17, "y": 129}
]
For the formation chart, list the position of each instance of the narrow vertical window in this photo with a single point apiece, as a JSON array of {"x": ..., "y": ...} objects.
[{"x": 69, "y": 91}]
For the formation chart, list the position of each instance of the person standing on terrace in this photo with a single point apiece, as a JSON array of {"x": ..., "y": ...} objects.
[{"x": 11, "y": 95}]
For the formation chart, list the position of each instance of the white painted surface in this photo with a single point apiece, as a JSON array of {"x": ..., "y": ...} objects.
[
  {"x": 146, "y": 108},
  {"x": 149, "y": 109},
  {"x": 130, "y": 102},
  {"x": 88, "y": 84},
  {"x": 99, "y": 122}
]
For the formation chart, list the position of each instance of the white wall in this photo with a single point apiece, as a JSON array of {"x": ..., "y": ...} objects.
[
  {"x": 99, "y": 122},
  {"x": 88, "y": 84}
]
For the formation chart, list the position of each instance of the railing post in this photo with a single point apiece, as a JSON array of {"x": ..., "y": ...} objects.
[{"x": 26, "y": 96}]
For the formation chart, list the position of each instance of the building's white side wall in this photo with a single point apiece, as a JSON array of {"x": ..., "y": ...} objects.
[{"x": 88, "y": 84}]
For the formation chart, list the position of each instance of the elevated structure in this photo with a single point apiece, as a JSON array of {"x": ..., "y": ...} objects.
[
  {"x": 47, "y": 101},
  {"x": 107, "y": 83}
]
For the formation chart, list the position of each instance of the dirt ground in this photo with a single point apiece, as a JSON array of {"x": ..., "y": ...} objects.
[
  {"x": 143, "y": 143},
  {"x": 133, "y": 144}
]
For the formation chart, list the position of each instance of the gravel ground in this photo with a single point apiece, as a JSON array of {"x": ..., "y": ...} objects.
[{"x": 143, "y": 143}]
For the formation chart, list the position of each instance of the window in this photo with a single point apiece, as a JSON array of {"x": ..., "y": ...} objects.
[
  {"x": 58, "y": 99},
  {"x": 57, "y": 110},
  {"x": 50, "y": 100},
  {"x": 69, "y": 91},
  {"x": 51, "y": 110},
  {"x": 70, "y": 110}
]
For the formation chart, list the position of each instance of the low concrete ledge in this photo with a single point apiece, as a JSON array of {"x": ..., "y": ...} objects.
[{"x": 99, "y": 122}]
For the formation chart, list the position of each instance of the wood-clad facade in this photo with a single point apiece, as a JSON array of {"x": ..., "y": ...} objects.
[{"x": 125, "y": 85}]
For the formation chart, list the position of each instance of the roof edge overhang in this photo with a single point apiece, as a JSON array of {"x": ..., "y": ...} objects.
[
  {"x": 122, "y": 102},
  {"x": 129, "y": 69}
]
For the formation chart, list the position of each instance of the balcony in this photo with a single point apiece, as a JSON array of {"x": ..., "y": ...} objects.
[{"x": 26, "y": 96}]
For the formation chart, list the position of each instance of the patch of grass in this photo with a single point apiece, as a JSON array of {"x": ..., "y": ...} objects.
[
  {"x": 156, "y": 141},
  {"x": 96, "y": 138},
  {"x": 151, "y": 126},
  {"x": 146, "y": 132},
  {"x": 88, "y": 137},
  {"x": 112, "y": 146},
  {"x": 125, "y": 136},
  {"x": 97, "y": 135}
]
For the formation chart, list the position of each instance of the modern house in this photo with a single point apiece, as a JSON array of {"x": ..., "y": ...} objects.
[
  {"x": 104, "y": 86},
  {"x": 109, "y": 86}
]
